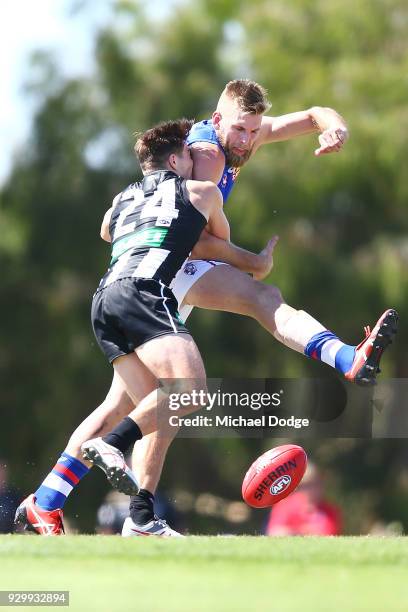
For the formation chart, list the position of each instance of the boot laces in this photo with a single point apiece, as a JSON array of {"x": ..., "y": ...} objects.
[{"x": 161, "y": 522}]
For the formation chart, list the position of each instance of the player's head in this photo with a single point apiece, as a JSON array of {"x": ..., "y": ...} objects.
[
  {"x": 237, "y": 119},
  {"x": 164, "y": 147}
]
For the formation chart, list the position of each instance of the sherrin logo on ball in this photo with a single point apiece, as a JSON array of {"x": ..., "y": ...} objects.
[{"x": 274, "y": 475}]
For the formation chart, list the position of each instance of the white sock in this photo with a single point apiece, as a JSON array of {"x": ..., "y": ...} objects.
[{"x": 294, "y": 328}]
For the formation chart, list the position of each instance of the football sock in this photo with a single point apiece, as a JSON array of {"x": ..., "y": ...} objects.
[
  {"x": 65, "y": 475},
  {"x": 124, "y": 435},
  {"x": 142, "y": 507},
  {"x": 325, "y": 346},
  {"x": 301, "y": 332},
  {"x": 294, "y": 328}
]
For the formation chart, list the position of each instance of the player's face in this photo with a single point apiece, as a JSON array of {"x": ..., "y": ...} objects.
[
  {"x": 237, "y": 132},
  {"x": 183, "y": 163}
]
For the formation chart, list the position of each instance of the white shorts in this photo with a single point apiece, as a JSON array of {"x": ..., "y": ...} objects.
[{"x": 185, "y": 278}]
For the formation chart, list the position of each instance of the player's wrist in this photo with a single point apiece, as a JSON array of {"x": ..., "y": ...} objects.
[
  {"x": 260, "y": 266},
  {"x": 244, "y": 260},
  {"x": 326, "y": 120},
  {"x": 316, "y": 124}
]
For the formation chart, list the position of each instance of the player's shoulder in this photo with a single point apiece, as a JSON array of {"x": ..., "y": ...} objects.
[
  {"x": 201, "y": 129},
  {"x": 208, "y": 150},
  {"x": 204, "y": 190},
  {"x": 126, "y": 194},
  {"x": 203, "y": 134}
]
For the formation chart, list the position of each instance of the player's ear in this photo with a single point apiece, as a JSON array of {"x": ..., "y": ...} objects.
[
  {"x": 216, "y": 118},
  {"x": 172, "y": 161}
]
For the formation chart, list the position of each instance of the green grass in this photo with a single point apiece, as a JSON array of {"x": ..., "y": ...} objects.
[{"x": 212, "y": 574}]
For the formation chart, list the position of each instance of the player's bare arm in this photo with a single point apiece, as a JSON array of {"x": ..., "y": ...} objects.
[
  {"x": 207, "y": 198},
  {"x": 211, "y": 247},
  {"x": 218, "y": 224},
  {"x": 209, "y": 162},
  {"x": 331, "y": 126},
  {"x": 105, "y": 234},
  {"x": 215, "y": 244},
  {"x": 257, "y": 264}
]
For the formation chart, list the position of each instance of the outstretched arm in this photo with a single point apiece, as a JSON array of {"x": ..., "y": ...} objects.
[{"x": 327, "y": 122}]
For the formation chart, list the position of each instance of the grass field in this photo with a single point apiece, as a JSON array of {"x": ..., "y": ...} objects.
[{"x": 212, "y": 574}]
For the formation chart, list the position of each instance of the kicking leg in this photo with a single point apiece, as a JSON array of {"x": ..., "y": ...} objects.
[{"x": 226, "y": 288}]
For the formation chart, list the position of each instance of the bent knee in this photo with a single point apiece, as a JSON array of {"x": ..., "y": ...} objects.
[{"x": 267, "y": 297}]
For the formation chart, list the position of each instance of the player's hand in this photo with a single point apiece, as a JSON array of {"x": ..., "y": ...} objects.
[
  {"x": 265, "y": 260},
  {"x": 331, "y": 141}
]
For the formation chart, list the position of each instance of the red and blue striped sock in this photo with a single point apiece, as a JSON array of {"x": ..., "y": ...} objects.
[
  {"x": 326, "y": 346},
  {"x": 65, "y": 475}
]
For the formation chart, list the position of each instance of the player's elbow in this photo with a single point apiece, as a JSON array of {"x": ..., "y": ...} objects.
[
  {"x": 211, "y": 190},
  {"x": 105, "y": 235},
  {"x": 202, "y": 249},
  {"x": 227, "y": 233},
  {"x": 223, "y": 233}
]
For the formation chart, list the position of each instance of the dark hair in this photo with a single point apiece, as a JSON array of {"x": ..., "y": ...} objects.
[
  {"x": 250, "y": 97},
  {"x": 154, "y": 146}
]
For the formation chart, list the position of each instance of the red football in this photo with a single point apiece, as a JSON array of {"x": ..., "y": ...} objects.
[{"x": 274, "y": 475}]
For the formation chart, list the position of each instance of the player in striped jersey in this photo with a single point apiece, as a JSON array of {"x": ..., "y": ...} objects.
[{"x": 154, "y": 225}]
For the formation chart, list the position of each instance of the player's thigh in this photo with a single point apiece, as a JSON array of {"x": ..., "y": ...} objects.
[
  {"x": 172, "y": 356},
  {"x": 226, "y": 288},
  {"x": 168, "y": 356}
]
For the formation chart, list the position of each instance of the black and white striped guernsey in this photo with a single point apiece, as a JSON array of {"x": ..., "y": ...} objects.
[{"x": 153, "y": 229}]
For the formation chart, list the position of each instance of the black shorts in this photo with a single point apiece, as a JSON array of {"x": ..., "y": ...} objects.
[{"x": 129, "y": 312}]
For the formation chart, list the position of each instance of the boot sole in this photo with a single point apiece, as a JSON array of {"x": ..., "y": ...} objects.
[
  {"x": 20, "y": 518},
  {"x": 368, "y": 372},
  {"x": 117, "y": 477}
]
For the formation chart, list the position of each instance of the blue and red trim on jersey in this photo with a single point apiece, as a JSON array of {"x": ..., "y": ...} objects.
[{"x": 204, "y": 131}]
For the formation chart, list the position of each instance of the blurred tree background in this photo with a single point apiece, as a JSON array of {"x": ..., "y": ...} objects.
[{"x": 342, "y": 221}]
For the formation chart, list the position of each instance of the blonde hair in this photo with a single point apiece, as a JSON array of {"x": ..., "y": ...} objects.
[{"x": 249, "y": 96}]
